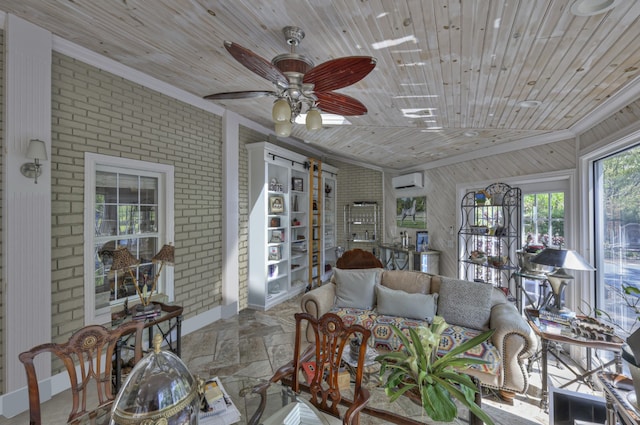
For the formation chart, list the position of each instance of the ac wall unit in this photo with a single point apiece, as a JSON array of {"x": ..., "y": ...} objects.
[{"x": 407, "y": 181}]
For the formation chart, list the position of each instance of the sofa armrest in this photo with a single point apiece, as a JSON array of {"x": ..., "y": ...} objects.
[
  {"x": 516, "y": 341},
  {"x": 319, "y": 300}
]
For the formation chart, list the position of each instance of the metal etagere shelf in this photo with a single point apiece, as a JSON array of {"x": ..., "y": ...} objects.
[{"x": 490, "y": 227}]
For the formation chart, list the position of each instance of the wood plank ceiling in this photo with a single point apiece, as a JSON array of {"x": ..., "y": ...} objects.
[{"x": 449, "y": 78}]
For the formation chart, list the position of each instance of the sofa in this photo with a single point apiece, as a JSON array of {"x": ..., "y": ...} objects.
[{"x": 377, "y": 298}]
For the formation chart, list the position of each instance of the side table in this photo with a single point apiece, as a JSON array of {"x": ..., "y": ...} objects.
[
  {"x": 616, "y": 389},
  {"x": 547, "y": 336},
  {"x": 169, "y": 319}
]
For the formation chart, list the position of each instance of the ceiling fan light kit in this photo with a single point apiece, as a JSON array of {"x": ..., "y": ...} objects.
[
  {"x": 299, "y": 85},
  {"x": 314, "y": 119},
  {"x": 281, "y": 111}
]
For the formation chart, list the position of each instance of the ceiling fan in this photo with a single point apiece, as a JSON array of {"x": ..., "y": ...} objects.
[{"x": 301, "y": 86}]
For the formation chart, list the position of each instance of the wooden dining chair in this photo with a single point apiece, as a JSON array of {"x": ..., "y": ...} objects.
[
  {"x": 91, "y": 351},
  {"x": 331, "y": 336}
]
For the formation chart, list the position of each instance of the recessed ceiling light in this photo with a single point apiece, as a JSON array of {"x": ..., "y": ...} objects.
[
  {"x": 470, "y": 133},
  {"x": 418, "y": 112},
  {"x": 327, "y": 119},
  {"x": 592, "y": 7},
  {"x": 529, "y": 103}
]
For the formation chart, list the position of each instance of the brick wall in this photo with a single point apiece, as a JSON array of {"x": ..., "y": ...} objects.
[{"x": 94, "y": 111}]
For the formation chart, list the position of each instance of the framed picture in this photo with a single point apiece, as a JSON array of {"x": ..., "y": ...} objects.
[
  {"x": 411, "y": 212},
  {"x": 274, "y": 253},
  {"x": 422, "y": 241},
  {"x": 276, "y": 204},
  {"x": 297, "y": 184},
  {"x": 277, "y": 236},
  {"x": 274, "y": 222}
]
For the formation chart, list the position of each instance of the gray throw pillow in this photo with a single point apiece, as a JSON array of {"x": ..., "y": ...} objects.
[
  {"x": 465, "y": 303},
  {"x": 356, "y": 288},
  {"x": 395, "y": 302}
]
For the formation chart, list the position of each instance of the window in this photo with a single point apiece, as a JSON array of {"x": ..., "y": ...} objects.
[
  {"x": 543, "y": 219},
  {"x": 617, "y": 233},
  {"x": 543, "y": 224},
  {"x": 128, "y": 204}
]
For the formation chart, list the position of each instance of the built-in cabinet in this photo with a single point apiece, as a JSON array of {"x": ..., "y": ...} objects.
[
  {"x": 490, "y": 234},
  {"x": 286, "y": 243}
]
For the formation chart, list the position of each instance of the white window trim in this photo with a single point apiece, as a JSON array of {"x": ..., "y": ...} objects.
[
  {"x": 611, "y": 145},
  {"x": 165, "y": 204}
]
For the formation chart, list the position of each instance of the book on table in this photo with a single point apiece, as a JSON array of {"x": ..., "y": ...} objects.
[{"x": 217, "y": 406}]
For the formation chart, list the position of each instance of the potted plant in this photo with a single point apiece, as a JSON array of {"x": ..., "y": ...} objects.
[{"x": 434, "y": 380}]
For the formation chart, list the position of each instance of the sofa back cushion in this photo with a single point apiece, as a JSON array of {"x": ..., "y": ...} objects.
[
  {"x": 408, "y": 281},
  {"x": 395, "y": 302},
  {"x": 356, "y": 288},
  {"x": 465, "y": 303}
]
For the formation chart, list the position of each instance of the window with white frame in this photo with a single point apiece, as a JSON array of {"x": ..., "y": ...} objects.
[
  {"x": 617, "y": 237},
  {"x": 128, "y": 204}
]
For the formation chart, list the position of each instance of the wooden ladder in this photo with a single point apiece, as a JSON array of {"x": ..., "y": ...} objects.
[{"x": 316, "y": 228}]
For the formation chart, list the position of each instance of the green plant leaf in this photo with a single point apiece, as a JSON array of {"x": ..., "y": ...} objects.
[
  {"x": 467, "y": 345},
  {"x": 466, "y": 401},
  {"x": 438, "y": 404}
]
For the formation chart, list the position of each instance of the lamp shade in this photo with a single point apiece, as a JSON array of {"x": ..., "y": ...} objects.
[
  {"x": 314, "y": 119},
  {"x": 37, "y": 150},
  {"x": 283, "y": 129},
  {"x": 565, "y": 258},
  {"x": 165, "y": 255},
  {"x": 281, "y": 111},
  {"x": 123, "y": 259}
]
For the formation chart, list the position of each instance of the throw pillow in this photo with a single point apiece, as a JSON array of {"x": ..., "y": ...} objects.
[
  {"x": 408, "y": 281},
  {"x": 465, "y": 303},
  {"x": 395, "y": 302},
  {"x": 356, "y": 288}
]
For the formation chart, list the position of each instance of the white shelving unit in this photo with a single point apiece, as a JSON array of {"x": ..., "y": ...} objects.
[
  {"x": 361, "y": 224},
  {"x": 280, "y": 224},
  {"x": 330, "y": 236}
]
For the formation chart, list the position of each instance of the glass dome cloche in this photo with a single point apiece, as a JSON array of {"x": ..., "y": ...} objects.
[{"x": 160, "y": 390}]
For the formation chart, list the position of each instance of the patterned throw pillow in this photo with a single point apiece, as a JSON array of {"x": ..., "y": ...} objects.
[
  {"x": 356, "y": 288},
  {"x": 465, "y": 303}
]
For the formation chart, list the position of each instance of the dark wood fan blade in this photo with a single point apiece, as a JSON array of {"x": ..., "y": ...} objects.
[
  {"x": 340, "y": 104},
  {"x": 239, "y": 95},
  {"x": 257, "y": 64},
  {"x": 338, "y": 73}
]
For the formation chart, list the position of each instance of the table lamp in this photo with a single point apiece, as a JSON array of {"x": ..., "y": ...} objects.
[
  {"x": 561, "y": 259},
  {"x": 124, "y": 260}
]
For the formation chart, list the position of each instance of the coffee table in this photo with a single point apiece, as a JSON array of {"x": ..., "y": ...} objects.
[
  {"x": 403, "y": 411},
  {"x": 371, "y": 366}
]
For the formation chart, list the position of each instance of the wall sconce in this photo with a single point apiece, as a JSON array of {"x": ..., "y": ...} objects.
[{"x": 37, "y": 151}]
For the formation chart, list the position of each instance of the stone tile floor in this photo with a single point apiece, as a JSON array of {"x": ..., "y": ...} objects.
[{"x": 250, "y": 346}]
